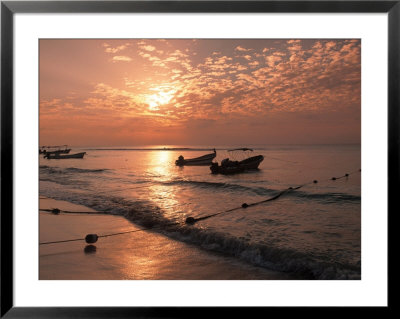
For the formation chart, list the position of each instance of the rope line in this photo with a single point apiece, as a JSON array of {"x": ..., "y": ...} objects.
[
  {"x": 193, "y": 220},
  {"x": 86, "y": 238},
  {"x": 92, "y": 238},
  {"x": 57, "y": 211},
  {"x": 61, "y": 241}
]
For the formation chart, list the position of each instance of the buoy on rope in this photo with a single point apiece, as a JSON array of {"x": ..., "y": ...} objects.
[
  {"x": 91, "y": 238},
  {"x": 190, "y": 220}
]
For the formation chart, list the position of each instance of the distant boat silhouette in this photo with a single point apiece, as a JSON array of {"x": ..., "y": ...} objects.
[
  {"x": 61, "y": 156},
  {"x": 56, "y": 149}
]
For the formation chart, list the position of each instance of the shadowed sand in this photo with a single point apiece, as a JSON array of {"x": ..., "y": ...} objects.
[{"x": 139, "y": 255}]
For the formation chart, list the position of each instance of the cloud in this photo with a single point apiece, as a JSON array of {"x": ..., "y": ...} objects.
[
  {"x": 239, "y": 48},
  {"x": 272, "y": 60},
  {"x": 121, "y": 58},
  {"x": 148, "y": 48},
  {"x": 114, "y": 50},
  {"x": 173, "y": 86},
  {"x": 302, "y": 75}
]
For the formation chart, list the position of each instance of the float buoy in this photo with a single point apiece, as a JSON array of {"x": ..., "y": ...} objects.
[
  {"x": 55, "y": 211},
  {"x": 190, "y": 220},
  {"x": 91, "y": 238}
]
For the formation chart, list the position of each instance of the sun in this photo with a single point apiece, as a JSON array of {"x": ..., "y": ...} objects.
[{"x": 162, "y": 97}]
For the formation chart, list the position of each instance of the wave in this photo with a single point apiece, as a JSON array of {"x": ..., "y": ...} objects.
[
  {"x": 330, "y": 197},
  {"x": 53, "y": 170},
  {"x": 149, "y": 216},
  {"x": 327, "y": 197},
  {"x": 48, "y": 173},
  {"x": 275, "y": 258},
  {"x": 221, "y": 185},
  {"x": 152, "y": 149},
  {"x": 86, "y": 170}
]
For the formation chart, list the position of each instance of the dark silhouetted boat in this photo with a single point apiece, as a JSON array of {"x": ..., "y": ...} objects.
[
  {"x": 198, "y": 161},
  {"x": 62, "y": 156},
  {"x": 233, "y": 167},
  {"x": 63, "y": 149}
]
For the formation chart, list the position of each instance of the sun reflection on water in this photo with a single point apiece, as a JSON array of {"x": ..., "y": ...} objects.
[{"x": 165, "y": 195}]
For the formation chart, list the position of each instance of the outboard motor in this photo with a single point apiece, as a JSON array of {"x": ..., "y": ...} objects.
[
  {"x": 214, "y": 168},
  {"x": 180, "y": 161}
]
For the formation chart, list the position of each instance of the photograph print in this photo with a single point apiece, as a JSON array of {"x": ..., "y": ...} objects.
[{"x": 199, "y": 159}]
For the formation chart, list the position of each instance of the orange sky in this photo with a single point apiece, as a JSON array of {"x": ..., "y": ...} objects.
[{"x": 199, "y": 92}]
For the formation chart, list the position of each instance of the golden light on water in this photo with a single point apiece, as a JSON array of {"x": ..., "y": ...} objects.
[
  {"x": 163, "y": 157},
  {"x": 161, "y": 163},
  {"x": 165, "y": 195}
]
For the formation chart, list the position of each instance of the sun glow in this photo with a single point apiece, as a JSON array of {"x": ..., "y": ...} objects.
[{"x": 160, "y": 98}]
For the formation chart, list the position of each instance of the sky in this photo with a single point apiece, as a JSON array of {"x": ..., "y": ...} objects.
[{"x": 136, "y": 92}]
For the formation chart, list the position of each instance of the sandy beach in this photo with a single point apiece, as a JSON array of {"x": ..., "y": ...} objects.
[{"x": 138, "y": 255}]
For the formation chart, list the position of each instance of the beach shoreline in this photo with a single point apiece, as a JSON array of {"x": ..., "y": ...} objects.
[{"x": 130, "y": 256}]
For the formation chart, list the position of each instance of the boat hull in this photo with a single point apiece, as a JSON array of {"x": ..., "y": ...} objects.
[
  {"x": 64, "y": 151},
  {"x": 59, "y": 156},
  {"x": 198, "y": 161},
  {"x": 225, "y": 170},
  {"x": 250, "y": 163},
  {"x": 194, "y": 163}
]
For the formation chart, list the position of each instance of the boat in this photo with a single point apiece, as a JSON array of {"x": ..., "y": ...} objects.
[
  {"x": 198, "y": 161},
  {"x": 251, "y": 162},
  {"x": 56, "y": 149},
  {"x": 237, "y": 166},
  {"x": 226, "y": 169},
  {"x": 62, "y": 156}
]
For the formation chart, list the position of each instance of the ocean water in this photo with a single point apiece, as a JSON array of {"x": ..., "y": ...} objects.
[{"x": 313, "y": 231}]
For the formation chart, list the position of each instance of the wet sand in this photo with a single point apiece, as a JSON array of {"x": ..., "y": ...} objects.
[{"x": 137, "y": 255}]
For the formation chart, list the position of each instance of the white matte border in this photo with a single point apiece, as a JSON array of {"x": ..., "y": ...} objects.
[{"x": 370, "y": 291}]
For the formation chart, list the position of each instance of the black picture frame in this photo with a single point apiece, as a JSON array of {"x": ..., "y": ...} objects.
[{"x": 9, "y": 8}]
